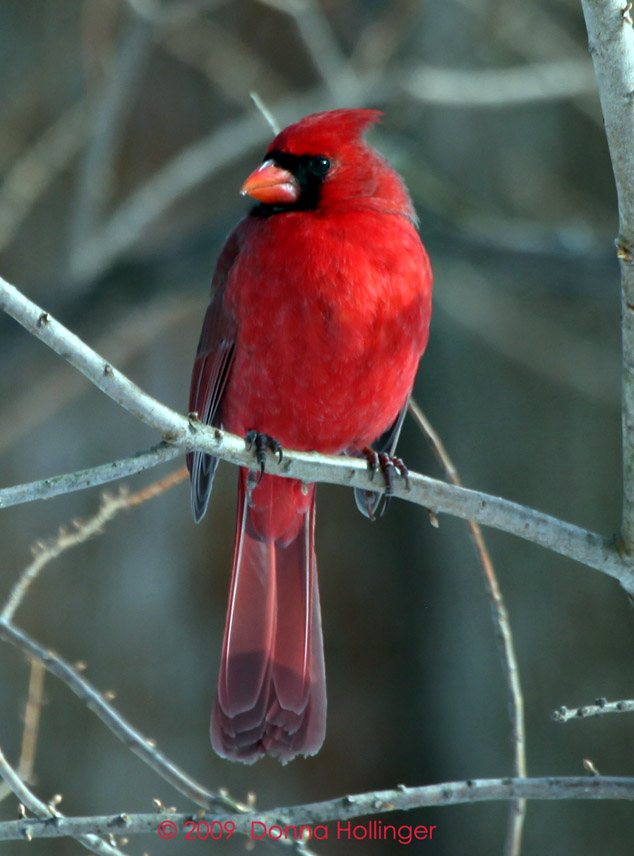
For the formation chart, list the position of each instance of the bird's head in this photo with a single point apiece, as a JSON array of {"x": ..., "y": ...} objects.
[{"x": 323, "y": 161}]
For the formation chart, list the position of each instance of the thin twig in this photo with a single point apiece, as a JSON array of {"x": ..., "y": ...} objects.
[
  {"x": 91, "y": 477},
  {"x": 598, "y": 708},
  {"x": 100, "y": 703},
  {"x": 48, "y": 812},
  {"x": 503, "y": 635},
  {"x": 268, "y": 117},
  {"x": 564, "y": 538},
  {"x": 45, "y": 552}
]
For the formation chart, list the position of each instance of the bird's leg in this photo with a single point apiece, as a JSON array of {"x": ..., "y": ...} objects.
[{"x": 262, "y": 442}]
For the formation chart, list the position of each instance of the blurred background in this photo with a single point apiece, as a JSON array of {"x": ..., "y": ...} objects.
[{"x": 126, "y": 129}]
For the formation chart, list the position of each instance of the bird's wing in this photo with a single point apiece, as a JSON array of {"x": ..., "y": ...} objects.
[{"x": 211, "y": 371}]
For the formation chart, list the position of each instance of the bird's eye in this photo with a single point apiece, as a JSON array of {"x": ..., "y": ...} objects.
[{"x": 319, "y": 165}]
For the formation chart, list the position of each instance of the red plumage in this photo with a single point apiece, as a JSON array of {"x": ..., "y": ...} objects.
[{"x": 321, "y": 301}]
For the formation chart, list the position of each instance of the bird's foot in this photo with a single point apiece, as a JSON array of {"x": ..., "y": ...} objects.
[
  {"x": 389, "y": 465},
  {"x": 261, "y": 443}
]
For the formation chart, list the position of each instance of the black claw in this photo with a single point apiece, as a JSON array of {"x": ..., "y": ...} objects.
[
  {"x": 374, "y": 460},
  {"x": 389, "y": 465},
  {"x": 262, "y": 443}
]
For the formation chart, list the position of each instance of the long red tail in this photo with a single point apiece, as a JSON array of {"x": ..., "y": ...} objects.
[{"x": 271, "y": 696}]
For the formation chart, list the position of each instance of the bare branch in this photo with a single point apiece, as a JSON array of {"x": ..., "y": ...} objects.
[
  {"x": 92, "y": 477},
  {"x": 564, "y": 538},
  {"x": 344, "y": 809},
  {"x": 611, "y": 39},
  {"x": 600, "y": 706},
  {"x": 32, "y": 713}
]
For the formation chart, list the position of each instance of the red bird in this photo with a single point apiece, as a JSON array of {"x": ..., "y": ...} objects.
[{"x": 321, "y": 301}]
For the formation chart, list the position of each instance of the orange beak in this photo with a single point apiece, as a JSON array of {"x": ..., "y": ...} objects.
[{"x": 270, "y": 183}]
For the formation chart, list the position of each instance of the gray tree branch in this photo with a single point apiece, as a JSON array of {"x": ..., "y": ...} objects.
[
  {"x": 610, "y": 28},
  {"x": 344, "y": 808}
]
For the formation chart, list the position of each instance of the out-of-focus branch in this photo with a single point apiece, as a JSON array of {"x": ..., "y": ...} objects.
[
  {"x": 321, "y": 44},
  {"x": 539, "y": 343},
  {"x": 507, "y": 24},
  {"x": 30, "y": 732},
  {"x": 611, "y": 39},
  {"x": 503, "y": 635},
  {"x": 107, "y": 125},
  {"x": 38, "y": 165},
  {"x": 171, "y": 13},
  {"x": 564, "y": 538},
  {"x": 233, "y": 140},
  {"x": 229, "y": 64},
  {"x": 504, "y": 87},
  {"x": 180, "y": 175}
]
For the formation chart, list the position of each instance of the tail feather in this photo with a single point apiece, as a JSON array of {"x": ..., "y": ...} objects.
[{"x": 271, "y": 696}]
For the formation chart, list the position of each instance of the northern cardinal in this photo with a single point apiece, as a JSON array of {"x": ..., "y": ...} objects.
[{"x": 320, "y": 310}]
